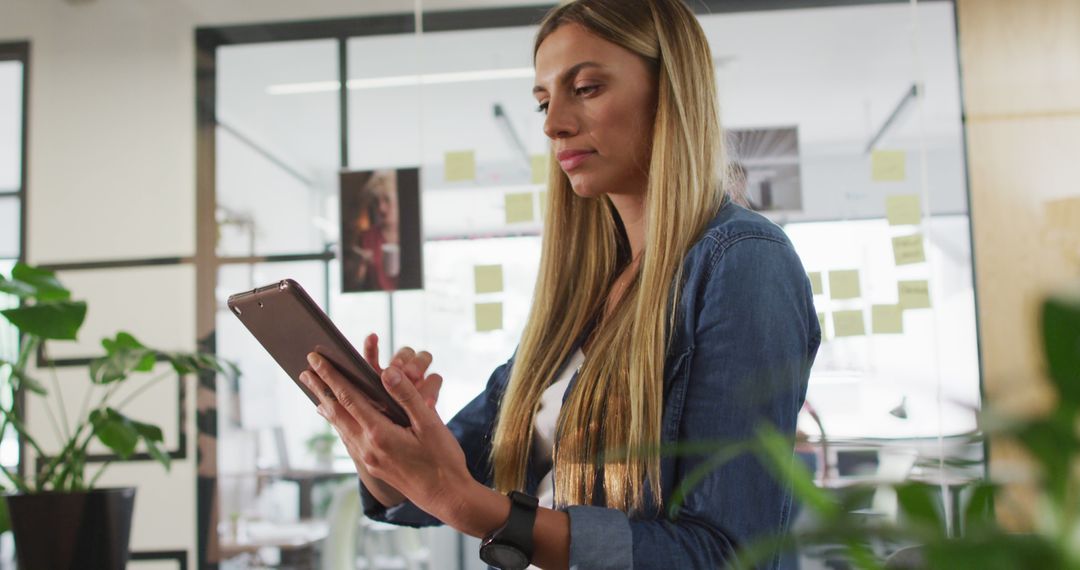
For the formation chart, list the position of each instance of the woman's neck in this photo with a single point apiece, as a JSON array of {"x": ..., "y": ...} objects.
[{"x": 631, "y": 209}]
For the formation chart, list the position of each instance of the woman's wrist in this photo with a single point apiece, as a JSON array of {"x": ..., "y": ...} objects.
[{"x": 476, "y": 510}]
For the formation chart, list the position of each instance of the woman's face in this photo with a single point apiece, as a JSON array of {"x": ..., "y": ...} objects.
[
  {"x": 600, "y": 101},
  {"x": 384, "y": 188}
]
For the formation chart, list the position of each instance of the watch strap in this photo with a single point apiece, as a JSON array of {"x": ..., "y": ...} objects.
[{"x": 518, "y": 529}]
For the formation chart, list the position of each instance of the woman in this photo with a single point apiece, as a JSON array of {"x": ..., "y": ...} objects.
[
  {"x": 691, "y": 318},
  {"x": 376, "y": 239}
]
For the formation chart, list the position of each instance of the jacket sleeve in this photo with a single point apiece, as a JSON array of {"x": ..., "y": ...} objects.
[
  {"x": 473, "y": 427},
  {"x": 755, "y": 335}
]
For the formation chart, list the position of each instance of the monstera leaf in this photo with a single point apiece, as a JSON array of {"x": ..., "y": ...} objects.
[
  {"x": 46, "y": 287},
  {"x": 122, "y": 434},
  {"x": 57, "y": 320},
  {"x": 123, "y": 355}
]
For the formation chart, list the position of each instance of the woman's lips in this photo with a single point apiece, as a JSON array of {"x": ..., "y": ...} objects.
[{"x": 571, "y": 159}]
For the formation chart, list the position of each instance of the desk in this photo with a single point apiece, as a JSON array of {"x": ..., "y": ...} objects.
[
  {"x": 296, "y": 541},
  {"x": 306, "y": 480}
]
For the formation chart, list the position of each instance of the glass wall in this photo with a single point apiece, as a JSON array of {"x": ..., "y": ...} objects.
[
  {"x": 844, "y": 121},
  {"x": 12, "y": 73}
]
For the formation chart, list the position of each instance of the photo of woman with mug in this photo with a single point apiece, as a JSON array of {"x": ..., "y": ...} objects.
[{"x": 380, "y": 230}]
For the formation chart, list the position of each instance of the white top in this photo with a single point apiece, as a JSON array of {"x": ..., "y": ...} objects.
[{"x": 547, "y": 418}]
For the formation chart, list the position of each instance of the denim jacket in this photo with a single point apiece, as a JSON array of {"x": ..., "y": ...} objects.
[{"x": 746, "y": 334}]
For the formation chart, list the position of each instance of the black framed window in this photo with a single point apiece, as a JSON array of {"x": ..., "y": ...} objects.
[{"x": 14, "y": 72}]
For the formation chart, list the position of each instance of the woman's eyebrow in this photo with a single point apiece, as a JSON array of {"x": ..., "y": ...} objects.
[{"x": 569, "y": 74}]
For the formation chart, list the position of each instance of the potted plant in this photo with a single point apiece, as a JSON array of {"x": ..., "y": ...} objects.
[
  {"x": 321, "y": 445},
  {"x": 59, "y": 518}
]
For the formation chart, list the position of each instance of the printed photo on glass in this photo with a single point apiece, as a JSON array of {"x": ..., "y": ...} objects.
[{"x": 380, "y": 230}]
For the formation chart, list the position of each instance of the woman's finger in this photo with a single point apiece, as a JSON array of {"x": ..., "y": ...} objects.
[
  {"x": 416, "y": 368},
  {"x": 335, "y": 388},
  {"x": 406, "y": 394},
  {"x": 345, "y": 425},
  {"x": 402, "y": 357},
  {"x": 371, "y": 352},
  {"x": 429, "y": 389}
]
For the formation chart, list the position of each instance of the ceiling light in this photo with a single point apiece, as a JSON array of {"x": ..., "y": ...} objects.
[{"x": 401, "y": 81}]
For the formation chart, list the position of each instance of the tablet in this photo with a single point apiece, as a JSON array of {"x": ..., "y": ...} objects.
[{"x": 289, "y": 325}]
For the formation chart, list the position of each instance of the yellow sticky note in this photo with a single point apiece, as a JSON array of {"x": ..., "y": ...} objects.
[
  {"x": 489, "y": 317},
  {"x": 888, "y": 319},
  {"x": 821, "y": 322},
  {"x": 489, "y": 278},
  {"x": 849, "y": 323},
  {"x": 888, "y": 166},
  {"x": 460, "y": 165},
  {"x": 815, "y": 283},
  {"x": 844, "y": 284},
  {"x": 908, "y": 249},
  {"x": 539, "y": 168},
  {"x": 903, "y": 210},
  {"x": 1063, "y": 213},
  {"x": 519, "y": 207},
  {"x": 914, "y": 294}
]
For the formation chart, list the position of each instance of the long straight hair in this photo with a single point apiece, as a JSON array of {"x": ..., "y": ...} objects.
[{"x": 610, "y": 422}]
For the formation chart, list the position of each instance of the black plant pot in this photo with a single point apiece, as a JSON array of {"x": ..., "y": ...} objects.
[{"x": 62, "y": 531}]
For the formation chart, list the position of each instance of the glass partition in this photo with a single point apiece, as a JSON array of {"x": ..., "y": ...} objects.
[
  {"x": 12, "y": 73},
  {"x": 844, "y": 123}
]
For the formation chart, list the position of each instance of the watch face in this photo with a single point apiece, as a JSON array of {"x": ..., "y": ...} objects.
[{"x": 503, "y": 556}]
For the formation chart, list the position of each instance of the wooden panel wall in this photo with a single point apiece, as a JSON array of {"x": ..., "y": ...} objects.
[{"x": 1021, "y": 76}]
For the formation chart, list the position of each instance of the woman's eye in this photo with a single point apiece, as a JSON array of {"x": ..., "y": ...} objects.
[
  {"x": 586, "y": 89},
  {"x": 542, "y": 108}
]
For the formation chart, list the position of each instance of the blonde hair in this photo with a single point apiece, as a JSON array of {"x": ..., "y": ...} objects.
[{"x": 611, "y": 421}]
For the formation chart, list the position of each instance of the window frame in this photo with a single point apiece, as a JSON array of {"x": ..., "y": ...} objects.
[{"x": 20, "y": 51}]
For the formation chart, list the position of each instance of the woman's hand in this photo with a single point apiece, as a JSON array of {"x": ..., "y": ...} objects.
[
  {"x": 413, "y": 364},
  {"x": 424, "y": 461}
]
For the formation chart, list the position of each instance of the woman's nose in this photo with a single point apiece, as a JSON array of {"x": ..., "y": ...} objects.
[{"x": 560, "y": 122}]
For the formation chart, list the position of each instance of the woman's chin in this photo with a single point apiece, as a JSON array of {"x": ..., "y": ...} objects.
[{"x": 584, "y": 189}]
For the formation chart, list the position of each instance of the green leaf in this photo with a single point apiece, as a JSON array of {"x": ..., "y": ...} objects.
[
  {"x": 115, "y": 431},
  {"x": 59, "y": 320},
  {"x": 29, "y": 383},
  {"x": 979, "y": 512},
  {"x": 5, "y": 518},
  {"x": 122, "y": 434},
  {"x": 1061, "y": 341},
  {"x": 147, "y": 432},
  {"x": 720, "y": 456},
  {"x": 44, "y": 282},
  {"x": 998, "y": 551},
  {"x": 919, "y": 505},
  {"x": 158, "y": 454},
  {"x": 1053, "y": 441},
  {"x": 16, "y": 288},
  {"x": 123, "y": 341},
  {"x": 123, "y": 355},
  {"x": 776, "y": 452},
  {"x": 193, "y": 363},
  {"x": 23, "y": 380},
  {"x": 151, "y": 436}
]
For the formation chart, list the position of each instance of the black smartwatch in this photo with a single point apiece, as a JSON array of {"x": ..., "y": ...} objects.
[{"x": 510, "y": 547}]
